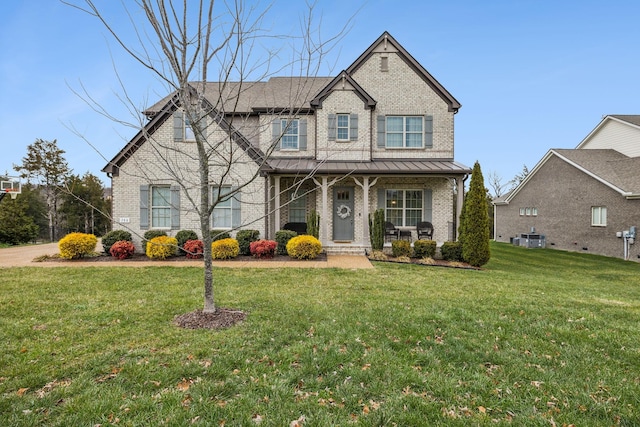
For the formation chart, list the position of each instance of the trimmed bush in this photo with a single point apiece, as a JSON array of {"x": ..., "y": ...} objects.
[
  {"x": 219, "y": 235},
  {"x": 77, "y": 245},
  {"x": 162, "y": 247},
  {"x": 304, "y": 247},
  {"x": 282, "y": 238},
  {"x": 263, "y": 248},
  {"x": 225, "y": 249},
  {"x": 244, "y": 238},
  {"x": 122, "y": 249},
  {"x": 183, "y": 236},
  {"x": 150, "y": 234},
  {"x": 451, "y": 251},
  {"x": 194, "y": 249},
  {"x": 114, "y": 236},
  {"x": 400, "y": 248},
  {"x": 424, "y": 248}
]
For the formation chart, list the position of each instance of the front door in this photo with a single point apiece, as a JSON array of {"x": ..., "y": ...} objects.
[{"x": 343, "y": 214}]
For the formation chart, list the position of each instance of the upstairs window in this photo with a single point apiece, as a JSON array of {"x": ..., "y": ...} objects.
[
  {"x": 599, "y": 216},
  {"x": 343, "y": 127},
  {"x": 399, "y": 132},
  {"x": 183, "y": 129},
  {"x": 290, "y": 134}
]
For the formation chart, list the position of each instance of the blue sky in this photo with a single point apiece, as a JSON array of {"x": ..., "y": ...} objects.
[{"x": 530, "y": 75}]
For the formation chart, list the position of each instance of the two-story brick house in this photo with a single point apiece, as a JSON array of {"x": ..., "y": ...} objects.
[{"x": 380, "y": 134}]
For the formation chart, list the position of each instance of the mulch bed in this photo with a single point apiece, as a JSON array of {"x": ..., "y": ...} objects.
[
  {"x": 222, "y": 318},
  {"x": 142, "y": 257}
]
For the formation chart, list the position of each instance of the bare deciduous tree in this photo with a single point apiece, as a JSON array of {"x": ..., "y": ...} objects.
[{"x": 210, "y": 54}]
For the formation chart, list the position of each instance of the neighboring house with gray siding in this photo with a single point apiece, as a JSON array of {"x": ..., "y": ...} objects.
[
  {"x": 380, "y": 134},
  {"x": 581, "y": 199}
]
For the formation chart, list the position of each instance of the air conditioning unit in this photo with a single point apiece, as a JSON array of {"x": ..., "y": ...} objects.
[{"x": 532, "y": 240}]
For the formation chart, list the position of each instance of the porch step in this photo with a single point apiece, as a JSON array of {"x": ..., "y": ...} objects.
[{"x": 345, "y": 249}]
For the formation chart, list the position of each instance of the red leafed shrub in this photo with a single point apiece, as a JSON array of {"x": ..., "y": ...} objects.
[
  {"x": 122, "y": 249},
  {"x": 263, "y": 248},
  {"x": 193, "y": 248}
]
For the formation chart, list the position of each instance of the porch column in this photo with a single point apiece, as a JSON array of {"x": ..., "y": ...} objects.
[
  {"x": 460, "y": 189},
  {"x": 276, "y": 202},
  {"x": 366, "y": 186},
  {"x": 325, "y": 211}
]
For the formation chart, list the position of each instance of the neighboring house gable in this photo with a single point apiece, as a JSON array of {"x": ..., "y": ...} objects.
[{"x": 580, "y": 199}]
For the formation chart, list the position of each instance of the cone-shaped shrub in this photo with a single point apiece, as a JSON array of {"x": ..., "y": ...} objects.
[{"x": 474, "y": 223}]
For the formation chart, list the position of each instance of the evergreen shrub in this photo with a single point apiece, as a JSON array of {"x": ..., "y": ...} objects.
[
  {"x": 424, "y": 248},
  {"x": 451, "y": 251},
  {"x": 150, "y": 234},
  {"x": 114, "y": 236},
  {"x": 282, "y": 238},
  {"x": 400, "y": 248},
  {"x": 183, "y": 236},
  {"x": 244, "y": 238},
  {"x": 219, "y": 235}
]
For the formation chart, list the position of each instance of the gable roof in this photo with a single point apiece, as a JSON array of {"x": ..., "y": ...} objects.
[
  {"x": 627, "y": 119},
  {"x": 607, "y": 166},
  {"x": 165, "y": 113},
  {"x": 382, "y": 43},
  {"x": 345, "y": 79}
]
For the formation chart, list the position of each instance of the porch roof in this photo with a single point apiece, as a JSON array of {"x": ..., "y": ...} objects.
[{"x": 366, "y": 167}]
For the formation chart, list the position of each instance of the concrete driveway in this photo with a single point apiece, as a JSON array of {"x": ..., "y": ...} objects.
[{"x": 23, "y": 256}]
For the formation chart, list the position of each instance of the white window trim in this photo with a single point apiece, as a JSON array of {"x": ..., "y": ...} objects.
[
  {"x": 602, "y": 216},
  {"x": 224, "y": 189},
  {"x": 284, "y": 125},
  {"x": 404, "y": 204},
  {"x": 338, "y": 127},
  {"x": 294, "y": 207},
  {"x": 404, "y": 133},
  {"x": 153, "y": 208}
]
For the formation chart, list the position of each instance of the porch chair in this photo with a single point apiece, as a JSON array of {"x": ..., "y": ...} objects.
[
  {"x": 390, "y": 231},
  {"x": 298, "y": 227},
  {"x": 425, "y": 229}
]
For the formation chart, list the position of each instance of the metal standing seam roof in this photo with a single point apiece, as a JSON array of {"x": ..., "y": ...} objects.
[{"x": 375, "y": 167}]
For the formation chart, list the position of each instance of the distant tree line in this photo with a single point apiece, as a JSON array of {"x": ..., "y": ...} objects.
[{"x": 54, "y": 201}]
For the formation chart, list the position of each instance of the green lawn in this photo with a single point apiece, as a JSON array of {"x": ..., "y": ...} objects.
[{"x": 537, "y": 338}]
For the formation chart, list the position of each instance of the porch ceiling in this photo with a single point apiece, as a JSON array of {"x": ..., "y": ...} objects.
[{"x": 375, "y": 167}]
